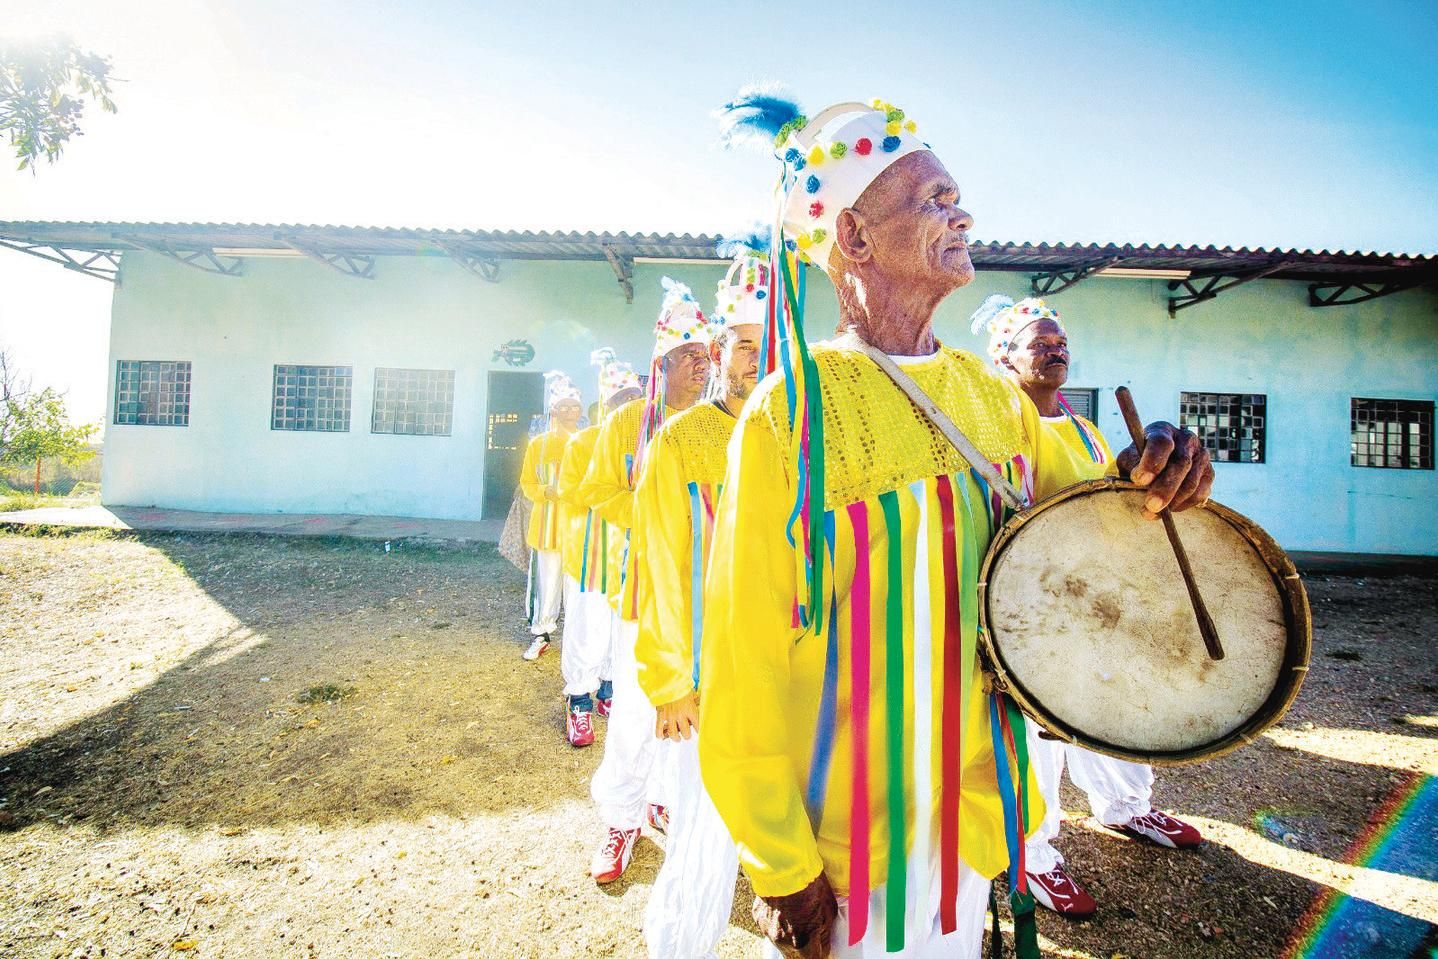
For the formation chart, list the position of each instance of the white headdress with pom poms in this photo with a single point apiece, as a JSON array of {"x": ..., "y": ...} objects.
[{"x": 1004, "y": 319}]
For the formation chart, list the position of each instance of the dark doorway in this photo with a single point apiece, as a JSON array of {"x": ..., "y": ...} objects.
[{"x": 514, "y": 398}]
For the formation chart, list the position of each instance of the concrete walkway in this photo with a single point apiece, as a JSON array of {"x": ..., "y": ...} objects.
[{"x": 280, "y": 524}]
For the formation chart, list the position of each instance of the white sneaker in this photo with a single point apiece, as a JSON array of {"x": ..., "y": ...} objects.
[{"x": 537, "y": 648}]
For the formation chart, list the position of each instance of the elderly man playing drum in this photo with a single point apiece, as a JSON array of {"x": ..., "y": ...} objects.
[
  {"x": 872, "y": 782},
  {"x": 1029, "y": 345}
]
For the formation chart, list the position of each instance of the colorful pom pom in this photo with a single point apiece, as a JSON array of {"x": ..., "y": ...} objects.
[
  {"x": 911, "y": 126},
  {"x": 748, "y": 287},
  {"x": 816, "y": 155},
  {"x": 816, "y": 210},
  {"x": 891, "y": 144},
  {"x": 789, "y": 245},
  {"x": 812, "y": 184},
  {"x": 893, "y": 127},
  {"x": 760, "y": 294},
  {"x": 803, "y": 241},
  {"x": 837, "y": 149},
  {"x": 894, "y": 115},
  {"x": 862, "y": 146},
  {"x": 818, "y": 236},
  {"x": 877, "y": 104},
  {"x": 792, "y": 154},
  {"x": 799, "y": 164}
]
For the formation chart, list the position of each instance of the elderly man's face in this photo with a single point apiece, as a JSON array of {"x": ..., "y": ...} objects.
[
  {"x": 917, "y": 233},
  {"x": 1039, "y": 355}
]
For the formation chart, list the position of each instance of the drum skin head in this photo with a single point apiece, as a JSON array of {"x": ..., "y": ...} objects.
[{"x": 1094, "y": 634}]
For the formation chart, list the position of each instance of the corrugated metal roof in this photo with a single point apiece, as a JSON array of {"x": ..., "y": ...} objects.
[{"x": 509, "y": 244}]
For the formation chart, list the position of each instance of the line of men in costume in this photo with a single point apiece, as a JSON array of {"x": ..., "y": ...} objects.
[{"x": 798, "y": 578}]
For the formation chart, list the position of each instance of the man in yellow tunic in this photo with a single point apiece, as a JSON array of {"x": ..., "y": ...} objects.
[
  {"x": 689, "y": 907},
  {"x": 584, "y": 659},
  {"x": 539, "y": 481},
  {"x": 1028, "y": 343},
  {"x": 678, "y": 374},
  {"x": 871, "y": 782}
]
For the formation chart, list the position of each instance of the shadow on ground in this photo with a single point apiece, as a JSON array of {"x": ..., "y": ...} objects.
[{"x": 433, "y": 713}]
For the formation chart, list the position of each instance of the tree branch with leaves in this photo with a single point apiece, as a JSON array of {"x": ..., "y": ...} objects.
[{"x": 44, "y": 87}]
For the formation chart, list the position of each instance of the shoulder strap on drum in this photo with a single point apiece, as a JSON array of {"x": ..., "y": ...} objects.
[{"x": 941, "y": 421}]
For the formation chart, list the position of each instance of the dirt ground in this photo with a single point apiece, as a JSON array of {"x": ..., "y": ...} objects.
[{"x": 164, "y": 790}]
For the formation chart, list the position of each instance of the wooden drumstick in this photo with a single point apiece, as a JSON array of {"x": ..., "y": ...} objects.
[{"x": 1205, "y": 622}]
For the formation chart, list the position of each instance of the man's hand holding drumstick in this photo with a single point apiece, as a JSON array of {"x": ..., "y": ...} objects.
[{"x": 1174, "y": 467}]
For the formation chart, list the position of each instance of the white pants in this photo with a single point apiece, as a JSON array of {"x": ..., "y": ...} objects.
[
  {"x": 631, "y": 774},
  {"x": 546, "y": 591},
  {"x": 587, "y": 638},
  {"x": 1118, "y": 790},
  {"x": 693, "y": 897},
  {"x": 965, "y": 942}
]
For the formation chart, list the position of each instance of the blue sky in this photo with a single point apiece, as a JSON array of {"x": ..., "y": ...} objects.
[{"x": 1272, "y": 123}]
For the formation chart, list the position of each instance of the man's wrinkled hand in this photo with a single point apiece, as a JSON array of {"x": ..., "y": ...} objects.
[
  {"x": 800, "y": 924},
  {"x": 679, "y": 719},
  {"x": 1175, "y": 468}
]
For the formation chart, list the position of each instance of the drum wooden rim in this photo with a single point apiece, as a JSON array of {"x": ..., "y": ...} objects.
[{"x": 1298, "y": 625}]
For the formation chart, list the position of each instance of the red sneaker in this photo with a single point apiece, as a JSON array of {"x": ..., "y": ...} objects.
[
  {"x": 1164, "y": 830},
  {"x": 579, "y": 727},
  {"x": 659, "y": 817},
  {"x": 603, "y": 706},
  {"x": 613, "y": 857},
  {"x": 1056, "y": 890}
]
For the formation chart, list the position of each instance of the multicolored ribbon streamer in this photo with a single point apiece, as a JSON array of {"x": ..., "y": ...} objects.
[{"x": 1090, "y": 442}]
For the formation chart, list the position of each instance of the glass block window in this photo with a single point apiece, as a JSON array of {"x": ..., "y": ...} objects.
[
  {"x": 152, "y": 393},
  {"x": 1231, "y": 426},
  {"x": 1082, "y": 402},
  {"x": 1392, "y": 434},
  {"x": 312, "y": 398},
  {"x": 414, "y": 402}
]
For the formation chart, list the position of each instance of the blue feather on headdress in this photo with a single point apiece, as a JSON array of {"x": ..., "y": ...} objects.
[
  {"x": 754, "y": 240},
  {"x": 602, "y": 356},
  {"x": 993, "y": 305},
  {"x": 674, "y": 290},
  {"x": 756, "y": 115}
]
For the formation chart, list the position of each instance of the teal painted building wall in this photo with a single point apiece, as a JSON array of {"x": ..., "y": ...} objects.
[{"x": 427, "y": 312}]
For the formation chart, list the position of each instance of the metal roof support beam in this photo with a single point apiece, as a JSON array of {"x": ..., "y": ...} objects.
[
  {"x": 350, "y": 264},
  {"x": 484, "y": 267},
  {"x": 205, "y": 259},
  {"x": 101, "y": 264},
  {"x": 1213, "y": 284},
  {"x": 1356, "y": 291},
  {"x": 1056, "y": 281},
  {"x": 623, "y": 271}
]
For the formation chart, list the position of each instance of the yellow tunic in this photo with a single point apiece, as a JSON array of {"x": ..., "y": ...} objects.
[
  {"x": 1077, "y": 443},
  {"x": 606, "y": 489},
  {"x": 907, "y": 524},
  {"x": 674, "y": 519},
  {"x": 585, "y": 540},
  {"x": 541, "y": 470}
]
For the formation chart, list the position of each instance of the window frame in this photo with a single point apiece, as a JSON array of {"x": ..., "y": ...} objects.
[
  {"x": 344, "y": 377},
  {"x": 443, "y": 390},
  {"x": 1419, "y": 408},
  {"x": 1258, "y": 439},
  {"x": 180, "y": 374}
]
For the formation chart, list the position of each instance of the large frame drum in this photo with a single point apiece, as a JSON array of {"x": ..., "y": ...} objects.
[{"x": 1088, "y": 626}]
